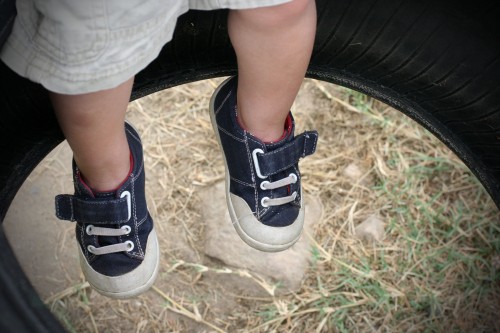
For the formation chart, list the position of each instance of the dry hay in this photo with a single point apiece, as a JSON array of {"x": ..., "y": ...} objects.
[{"x": 436, "y": 269}]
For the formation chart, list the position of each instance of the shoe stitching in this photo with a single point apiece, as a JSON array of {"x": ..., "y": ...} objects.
[
  {"x": 288, "y": 166},
  {"x": 135, "y": 220},
  {"x": 72, "y": 211},
  {"x": 242, "y": 182},
  {"x": 249, "y": 160},
  {"x": 85, "y": 251},
  {"x": 141, "y": 252},
  {"x": 133, "y": 178},
  {"x": 139, "y": 172},
  {"x": 259, "y": 143},
  {"x": 279, "y": 150},
  {"x": 299, "y": 186},
  {"x": 133, "y": 135},
  {"x": 93, "y": 240},
  {"x": 223, "y": 102},
  {"x": 57, "y": 210},
  {"x": 106, "y": 222},
  {"x": 297, "y": 173},
  {"x": 262, "y": 213},
  {"x": 304, "y": 148},
  {"x": 292, "y": 164},
  {"x": 272, "y": 144},
  {"x": 229, "y": 134},
  {"x": 99, "y": 204},
  {"x": 144, "y": 219},
  {"x": 276, "y": 151},
  {"x": 315, "y": 142},
  {"x": 91, "y": 255},
  {"x": 306, "y": 138},
  {"x": 58, "y": 213},
  {"x": 284, "y": 168}
]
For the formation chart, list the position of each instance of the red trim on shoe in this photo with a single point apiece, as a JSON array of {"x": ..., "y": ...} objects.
[
  {"x": 128, "y": 176},
  {"x": 286, "y": 132},
  {"x": 81, "y": 180}
]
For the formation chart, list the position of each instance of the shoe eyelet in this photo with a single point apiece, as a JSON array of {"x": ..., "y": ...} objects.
[
  {"x": 264, "y": 184},
  {"x": 130, "y": 245},
  {"x": 91, "y": 248},
  {"x": 294, "y": 176},
  {"x": 263, "y": 202},
  {"x": 88, "y": 230},
  {"x": 256, "y": 162},
  {"x": 127, "y": 229},
  {"x": 129, "y": 203}
]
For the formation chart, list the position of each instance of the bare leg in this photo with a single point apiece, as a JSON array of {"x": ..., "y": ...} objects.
[
  {"x": 94, "y": 127},
  {"x": 273, "y": 46}
]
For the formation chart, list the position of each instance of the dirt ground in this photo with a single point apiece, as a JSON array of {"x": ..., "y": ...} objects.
[{"x": 436, "y": 267}]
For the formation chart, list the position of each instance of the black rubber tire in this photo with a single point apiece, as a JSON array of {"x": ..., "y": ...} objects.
[{"x": 436, "y": 61}]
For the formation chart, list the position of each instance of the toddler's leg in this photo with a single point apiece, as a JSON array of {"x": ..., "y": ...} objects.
[
  {"x": 118, "y": 246},
  {"x": 273, "y": 46},
  {"x": 93, "y": 126},
  {"x": 263, "y": 184}
]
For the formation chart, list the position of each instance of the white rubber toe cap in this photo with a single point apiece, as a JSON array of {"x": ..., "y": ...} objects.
[
  {"x": 261, "y": 236},
  {"x": 130, "y": 284}
]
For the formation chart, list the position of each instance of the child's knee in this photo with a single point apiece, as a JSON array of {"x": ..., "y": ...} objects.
[{"x": 293, "y": 10}]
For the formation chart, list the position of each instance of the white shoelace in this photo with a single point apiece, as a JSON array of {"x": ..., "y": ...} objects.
[
  {"x": 266, "y": 185},
  {"x": 98, "y": 231},
  {"x": 126, "y": 246}
]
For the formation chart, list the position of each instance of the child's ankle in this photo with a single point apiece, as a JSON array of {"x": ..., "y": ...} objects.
[
  {"x": 267, "y": 133},
  {"x": 109, "y": 183}
]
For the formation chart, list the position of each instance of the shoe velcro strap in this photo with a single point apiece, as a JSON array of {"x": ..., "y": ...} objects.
[
  {"x": 288, "y": 155},
  {"x": 71, "y": 208}
]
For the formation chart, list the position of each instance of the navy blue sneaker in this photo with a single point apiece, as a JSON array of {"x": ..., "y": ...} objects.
[
  {"x": 119, "y": 253},
  {"x": 263, "y": 190}
]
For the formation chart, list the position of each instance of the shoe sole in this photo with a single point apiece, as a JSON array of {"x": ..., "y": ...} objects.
[{"x": 232, "y": 213}]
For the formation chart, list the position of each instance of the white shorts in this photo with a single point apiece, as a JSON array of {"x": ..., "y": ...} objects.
[{"x": 81, "y": 46}]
